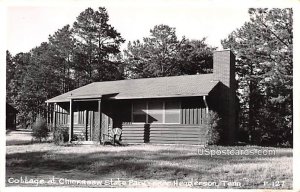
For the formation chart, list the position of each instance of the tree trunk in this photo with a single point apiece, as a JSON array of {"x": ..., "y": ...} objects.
[{"x": 251, "y": 113}]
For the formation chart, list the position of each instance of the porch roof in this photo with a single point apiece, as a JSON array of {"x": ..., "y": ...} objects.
[{"x": 174, "y": 86}]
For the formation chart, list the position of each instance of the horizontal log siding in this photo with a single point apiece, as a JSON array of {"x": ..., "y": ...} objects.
[
  {"x": 133, "y": 133},
  {"x": 79, "y": 131},
  {"x": 177, "y": 134},
  {"x": 164, "y": 134}
]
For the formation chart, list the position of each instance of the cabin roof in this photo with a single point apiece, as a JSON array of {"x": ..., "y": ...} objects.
[{"x": 159, "y": 87}]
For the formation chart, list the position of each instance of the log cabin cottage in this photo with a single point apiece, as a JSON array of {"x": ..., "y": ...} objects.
[{"x": 163, "y": 110}]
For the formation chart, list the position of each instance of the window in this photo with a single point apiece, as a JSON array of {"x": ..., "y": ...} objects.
[
  {"x": 172, "y": 112},
  {"x": 139, "y": 111},
  {"x": 156, "y": 112}
]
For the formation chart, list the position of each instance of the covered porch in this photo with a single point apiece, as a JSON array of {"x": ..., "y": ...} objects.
[
  {"x": 153, "y": 120},
  {"x": 81, "y": 116}
]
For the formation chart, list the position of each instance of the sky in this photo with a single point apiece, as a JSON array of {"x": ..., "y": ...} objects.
[{"x": 29, "y": 26}]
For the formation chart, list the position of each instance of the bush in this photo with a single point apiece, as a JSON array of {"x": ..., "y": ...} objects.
[
  {"x": 40, "y": 129},
  {"x": 60, "y": 135},
  {"x": 214, "y": 128},
  {"x": 79, "y": 137}
]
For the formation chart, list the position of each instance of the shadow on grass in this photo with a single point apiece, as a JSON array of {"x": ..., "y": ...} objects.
[
  {"x": 139, "y": 164},
  {"x": 127, "y": 164},
  {"x": 25, "y": 142}
]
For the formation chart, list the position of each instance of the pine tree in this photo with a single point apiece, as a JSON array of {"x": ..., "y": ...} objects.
[
  {"x": 71, "y": 58},
  {"x": 194, "y": 56},
  {"x": 162, "y": 54},
  {"x": 62, "y": 45},
  {"x": 263, "y": 47},
  {"x": 97, "y": 41}
]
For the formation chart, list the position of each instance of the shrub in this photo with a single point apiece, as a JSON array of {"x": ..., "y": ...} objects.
[
  {"x": 80, "y": 137},
  {"x": 40, "y": 129},
  {"x": 214, "y": 128},
  {"x": 60, "y": 135}
]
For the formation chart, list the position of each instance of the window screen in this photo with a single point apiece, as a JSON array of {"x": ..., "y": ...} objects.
[
  {"x": 172, "y": 112},
  {"x": 155, "y": 112},
  {"x": 139, "y": 111}
]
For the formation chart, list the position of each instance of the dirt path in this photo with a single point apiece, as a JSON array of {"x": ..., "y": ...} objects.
[{"x": 18, "y": 137}]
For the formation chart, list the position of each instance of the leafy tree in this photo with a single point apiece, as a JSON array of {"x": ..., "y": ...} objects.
[
  {"x": 37, "y": 76},
  {"x": 263, "y": 47},
  {"x": 40, "y": 82},
  {"x": 16, "y": 71},
  {"x": 97, "y": 41},
  {"x": 10, "y": 71},
  {"x": 162, "y": 54}
]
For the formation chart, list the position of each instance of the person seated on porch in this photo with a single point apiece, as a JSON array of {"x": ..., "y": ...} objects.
[{"x": 113, "y": 138}]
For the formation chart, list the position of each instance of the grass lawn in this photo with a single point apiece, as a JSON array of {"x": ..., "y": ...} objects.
[{"x": 144, "y": 166}]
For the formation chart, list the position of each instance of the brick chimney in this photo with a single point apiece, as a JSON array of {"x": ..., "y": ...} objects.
[
  {"x": 224, "y": 67},
  {"x": 224, "y": 71}
]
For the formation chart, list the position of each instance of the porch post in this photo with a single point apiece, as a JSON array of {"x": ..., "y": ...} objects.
[
  {"x": 86, "y": 124},
  {"x": 71, "y": 121},
  {"x": 47, "y": 112},
  {"x": 206, "y": 106},
  {"x": 47, "y": 117},
  {"x": 54, "y": 115},
  {"x": 15, "y": 121},
  {"x": 206, "y": 116},
  {"x": 100, "y": 119}
]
